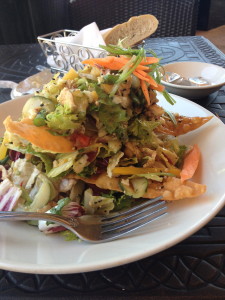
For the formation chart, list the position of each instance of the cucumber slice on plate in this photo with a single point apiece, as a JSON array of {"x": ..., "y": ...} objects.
[
  {"x": 43, "y": 194},
  {"x": 35, "y": 104},
  {"x": 137, "y": 187}
]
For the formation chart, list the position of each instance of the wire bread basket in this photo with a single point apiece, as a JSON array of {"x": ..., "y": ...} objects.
[{"x": 62, "y": 56}]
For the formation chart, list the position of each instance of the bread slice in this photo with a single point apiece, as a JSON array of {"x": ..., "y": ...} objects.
[{"x": 133, "y": 31}]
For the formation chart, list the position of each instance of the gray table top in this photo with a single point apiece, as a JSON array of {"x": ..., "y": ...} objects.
[{"x": 193, "y": 269}]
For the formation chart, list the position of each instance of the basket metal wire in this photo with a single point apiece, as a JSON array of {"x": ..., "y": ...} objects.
[{"x": 62, "y": 56}]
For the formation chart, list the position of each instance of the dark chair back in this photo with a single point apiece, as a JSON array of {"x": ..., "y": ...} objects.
[{"x": 176, "y": 17}]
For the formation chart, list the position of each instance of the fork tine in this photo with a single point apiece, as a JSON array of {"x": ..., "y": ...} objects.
[
  {"x": 134, "y": 218},
  {"x": 147, "y": 207},
  {"x": 116, "y": 231},
  {"x": 146, "y": 203}
]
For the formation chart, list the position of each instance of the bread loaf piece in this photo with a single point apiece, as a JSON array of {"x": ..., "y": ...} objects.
[{"x": 133, "y": 31}]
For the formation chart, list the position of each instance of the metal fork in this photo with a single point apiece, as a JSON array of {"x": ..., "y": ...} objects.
[{"x": 95, "y": 228}]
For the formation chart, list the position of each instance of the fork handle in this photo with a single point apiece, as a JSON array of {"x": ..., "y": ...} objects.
[{"x": 25, "y": 216}]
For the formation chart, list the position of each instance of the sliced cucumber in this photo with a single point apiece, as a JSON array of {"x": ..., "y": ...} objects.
[
  {"x": 137, "y": 187},
  {"x": 35, "y": 104},
  {"x": 43, "y": 196},
  {"x": 140, "y": 186}
]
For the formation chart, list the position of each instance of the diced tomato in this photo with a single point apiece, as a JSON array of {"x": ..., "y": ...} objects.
[{"x": 80, "y": 140}]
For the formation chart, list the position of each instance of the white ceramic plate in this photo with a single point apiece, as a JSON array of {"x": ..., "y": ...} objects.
[{"x": 24, "y": 249}]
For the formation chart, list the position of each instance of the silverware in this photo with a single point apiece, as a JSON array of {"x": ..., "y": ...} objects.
[{"x": 97, "y": 229}]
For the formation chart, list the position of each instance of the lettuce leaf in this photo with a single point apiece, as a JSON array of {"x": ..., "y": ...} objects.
[
  {"x": 63, "y": 163},
  {"x": 69, "y": 236},
  {"x": 60, "y": 204},
  {"x": 97, "y": 204},
  {"x": 120, "y": 200},
  {"x": 113, "y": 117},
  {"x": 44, "y": 157},
  {"x": 88, "y": 171},
  {"x": 143, "y": 130},
  {"x": 61, "y": 120}
]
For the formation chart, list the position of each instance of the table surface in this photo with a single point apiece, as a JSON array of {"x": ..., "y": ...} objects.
[{"x": 193, "y": 269}]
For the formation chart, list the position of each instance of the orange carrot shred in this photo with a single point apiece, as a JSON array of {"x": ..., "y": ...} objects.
[
  {"x": 159, "y": 88},
  {"x": 149, "y": 60},
  {"x": 144, "y": 68},
  {"x": 145, "y": 91},
  {"x": 137, "y": 74},
  {"x": 148, "y": 78},
  {"x": 190, "y": 165}
]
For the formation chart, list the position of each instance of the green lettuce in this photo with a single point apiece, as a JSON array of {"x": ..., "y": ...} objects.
[
  {"x": 88, "y": 171},
  {"x": 120, "y": 200},
  {"x": 143, "y": 130},
  {"x": 45, "y": 158},
  {"x": 63, "y": 163},
  {"x": 112, "y": 118},
  {"x": 60, "y": 119},
  {"x": 57, "y": 210},
  {"x": 69, "y": 236},
  {"x": 97, "y": 204}
]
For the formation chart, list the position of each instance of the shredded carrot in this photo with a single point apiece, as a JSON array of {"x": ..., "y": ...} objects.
[
  {"x": 145, "y": 91},
  {"x": 190, "y": 165},
  {"x": 159, "y": 88},
  {"x": 104, "y": 62},
  {"x": 148, "y": 78},
  {"x": 137, "y": 74},
  {"x": 144, "y": 68},
  {"x": 141, "y": 71},
  {"x": 149, "y": 60}
]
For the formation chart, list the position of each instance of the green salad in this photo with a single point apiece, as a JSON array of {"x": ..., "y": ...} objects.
[{"x": 95, "y": 141}]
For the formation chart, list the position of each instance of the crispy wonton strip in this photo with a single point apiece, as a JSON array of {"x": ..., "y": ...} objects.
[
  {"x": 170, "y": 189},
  {"x": 184, "y": 125},
  {"x": 38, "y": 136}
]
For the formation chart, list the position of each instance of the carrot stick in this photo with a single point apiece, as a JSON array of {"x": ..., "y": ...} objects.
[
  {"x": 190, "y": 165},
  {"x": 149, "y": 60},
  {"x": 145, "y": 91},
  {"x": 159, "y": 88},
  {"x": 139, "y": 75},
  {"x": 144, "y": 68},
  {"x": 101, "y": 61},
  {"x": 143, "y": 73},
  {"x": 148, "y": 78},
  {"x": 122, "y": 59},
  {"x": 116, "y": 63}
]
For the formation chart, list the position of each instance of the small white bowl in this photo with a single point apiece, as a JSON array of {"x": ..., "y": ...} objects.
[{"x": 212, "y": 73}]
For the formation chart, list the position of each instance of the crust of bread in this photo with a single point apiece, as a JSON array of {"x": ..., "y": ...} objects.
[
  {"x": 171, "y": 189},
  {"x": 133, "y": 31}
]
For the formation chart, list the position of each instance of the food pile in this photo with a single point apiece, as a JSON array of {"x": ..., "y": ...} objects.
[{"x": 95, "y": 141}]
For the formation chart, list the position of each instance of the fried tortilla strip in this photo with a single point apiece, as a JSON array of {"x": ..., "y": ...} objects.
[
  {"x": 184, "y": 125},
  {"x": 170, "y": 189},
  {"x": 38, "y": 136},
  {"x": 173, "y": 189}
]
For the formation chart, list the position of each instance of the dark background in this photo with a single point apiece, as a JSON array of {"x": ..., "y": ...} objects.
[{"x": 21, "y": 21}]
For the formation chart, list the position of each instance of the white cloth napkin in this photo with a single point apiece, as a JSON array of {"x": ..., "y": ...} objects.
[
  {"x": 6, "y": 84},
  {"x": 89, "y": 36}
]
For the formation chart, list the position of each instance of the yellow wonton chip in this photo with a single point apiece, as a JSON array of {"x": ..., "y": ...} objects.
[
  {"x": 184, "y": 125},
  {"x": 38, "y": 136}
]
